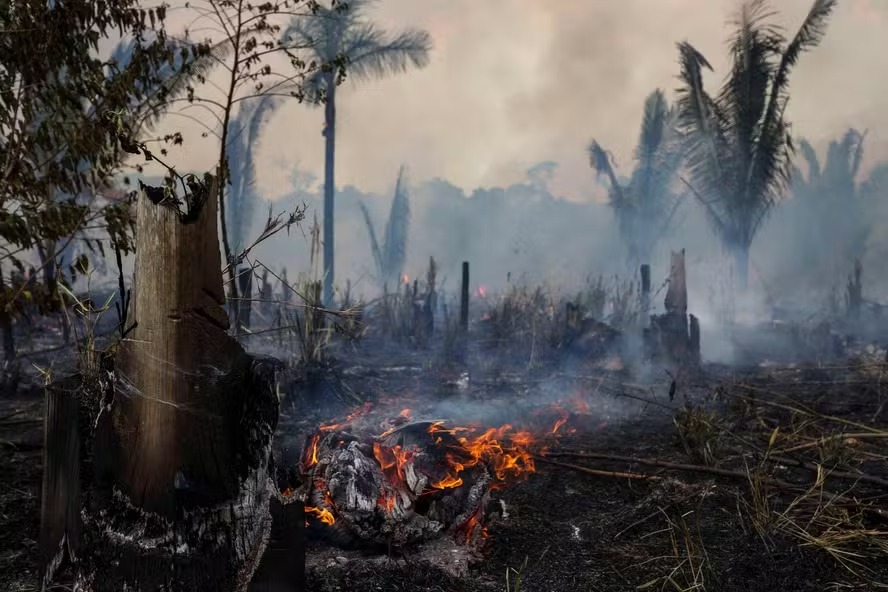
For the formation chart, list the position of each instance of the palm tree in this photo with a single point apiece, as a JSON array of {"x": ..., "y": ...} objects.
[
  {"x": 738, "y": 145},
  {"x": 645, "y": 205},
  {"x": 392, "y": 254},
  {"x": 833, "y": 201},
  {"x": 243, "y": 139},
  {"x": 343, "y": 33}
]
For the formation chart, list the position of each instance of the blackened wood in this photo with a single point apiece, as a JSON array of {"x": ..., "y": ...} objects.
[
  {"x": 645, "y": 294},
  {"x": 283, "y": 565},
  {"x": 464, "y": 298},
  {"x": 6, "y": 321},
  {"x": 694, "y": 337},
  {"x": 245, "y": 287},
  {"x": 60, "y": 499}
]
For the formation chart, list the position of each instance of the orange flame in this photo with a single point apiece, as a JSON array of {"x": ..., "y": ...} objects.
[
  {"x": 406, "y": 413},
  {"x": 322, "y": 514},
  {"x": 448, "y": 482},
  {"x": 310, "y": 456}
]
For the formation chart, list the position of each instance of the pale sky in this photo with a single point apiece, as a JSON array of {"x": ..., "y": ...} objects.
[{"x": 515, "y": 82}]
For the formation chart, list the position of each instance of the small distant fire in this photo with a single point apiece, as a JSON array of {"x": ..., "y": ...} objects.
[
  {"x": 405, "y": 279},
  {"x": 481, "y": 292}
]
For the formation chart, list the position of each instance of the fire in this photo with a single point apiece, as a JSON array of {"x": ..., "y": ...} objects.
[
  {"x": 310, "y": 458},
  {"x": 332, "y": 427},
  {"x": 448, "y": 482},
  {"x": 405, "y": 279},
  {"x": 405, "y": 413},
  {"x": 322, "y": 514},
  {"x": 392, "y": 458},
  {"x": 481, "y": 291},
  {"x": 506, "y": 453}
]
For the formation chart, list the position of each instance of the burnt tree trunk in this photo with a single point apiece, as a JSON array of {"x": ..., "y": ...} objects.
[
  {"x": 177, "y": 493},
  {"x": 464, "y": 299},
  {"x": 672, "y": 337},
  {"x": 245, "y": 304},
  {"x": 645, "y": 295}
]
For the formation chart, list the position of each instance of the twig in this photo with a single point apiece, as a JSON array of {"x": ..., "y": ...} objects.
[{"x": 596, "y": 472}]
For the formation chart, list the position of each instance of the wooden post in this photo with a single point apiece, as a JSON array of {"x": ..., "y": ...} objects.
[
  {"x": 464, "y": 299},
  {"x": 60, "y": 499},
  {"x": 694, "y": 338},
  {"x": 645, "y": 294},
  {"x": 180, "y": 423},
  {"x": 245, "y": 304}
]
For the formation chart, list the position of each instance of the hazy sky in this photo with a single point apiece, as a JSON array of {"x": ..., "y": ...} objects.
[{"x": 515, "y": 82}]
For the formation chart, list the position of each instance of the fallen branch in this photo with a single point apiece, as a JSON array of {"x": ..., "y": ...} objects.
[{"x": 597, "y": 472}]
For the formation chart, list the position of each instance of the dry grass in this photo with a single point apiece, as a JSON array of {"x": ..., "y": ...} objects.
[{"x": 690, "y": 564}]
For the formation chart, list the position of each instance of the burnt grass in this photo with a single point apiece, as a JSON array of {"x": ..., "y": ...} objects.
[{"x": 565, "y": 530}]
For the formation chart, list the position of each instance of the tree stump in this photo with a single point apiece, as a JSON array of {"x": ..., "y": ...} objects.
[
  {"x": 177, "y": 493},
  {"x": 672, "y": 337}
]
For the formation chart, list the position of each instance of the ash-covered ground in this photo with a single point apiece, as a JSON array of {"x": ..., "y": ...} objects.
[{"x": 770, "y": 477}]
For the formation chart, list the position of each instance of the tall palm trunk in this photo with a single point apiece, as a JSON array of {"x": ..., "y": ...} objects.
[
  {"x": 741, "y": 266},
  {"x": 329, "y": 186}
]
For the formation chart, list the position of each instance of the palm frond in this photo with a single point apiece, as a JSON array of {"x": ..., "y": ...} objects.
[
  {"x": 244, "y": 132},
  {"x": 374, "y": 244},
  {"x": 600, "y": 160},
  {"x": 396, "y": 230},
  {"x": 371, "y": 53},
  {"x": 810, "y": 156}
]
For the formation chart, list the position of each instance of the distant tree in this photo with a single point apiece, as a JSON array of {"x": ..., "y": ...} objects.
[
  {"x": 342, "y": 33},
  {"x": 645, "y": 205},
  {"x": 738, "y": 145},
  {"x": 392, "y": 254},
  {"x": 832, "y": 205},
  {"x": 244, "y": 133}
]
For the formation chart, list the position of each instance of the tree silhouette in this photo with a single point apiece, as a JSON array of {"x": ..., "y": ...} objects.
[
  {"x": 645, "y": 205},
  {"x": 738, "y": 145},
  {"x": 364, "y": 51}
]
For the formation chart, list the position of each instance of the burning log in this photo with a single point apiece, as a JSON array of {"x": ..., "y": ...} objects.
[
  {"x": 411, "y": 484},
  {"x": 175, "y": 429}
]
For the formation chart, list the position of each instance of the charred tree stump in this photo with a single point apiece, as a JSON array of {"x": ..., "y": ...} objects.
[
  {"x": 464, "y": 299},
  {"x": 430, "y": 303},
  {"x": 175, "y": 476},
  {"x": 671, "y": 336}
]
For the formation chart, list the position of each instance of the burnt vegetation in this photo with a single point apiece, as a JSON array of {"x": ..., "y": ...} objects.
[{"x": 183, "y": 407}]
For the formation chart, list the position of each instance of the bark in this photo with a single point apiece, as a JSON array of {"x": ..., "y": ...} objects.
[
  {"x": 329, "y": 187},
  {"x": 176, "y": 488}
]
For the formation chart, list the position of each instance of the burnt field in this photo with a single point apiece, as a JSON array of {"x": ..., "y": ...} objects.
[{"x": 612, "y": 476}]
